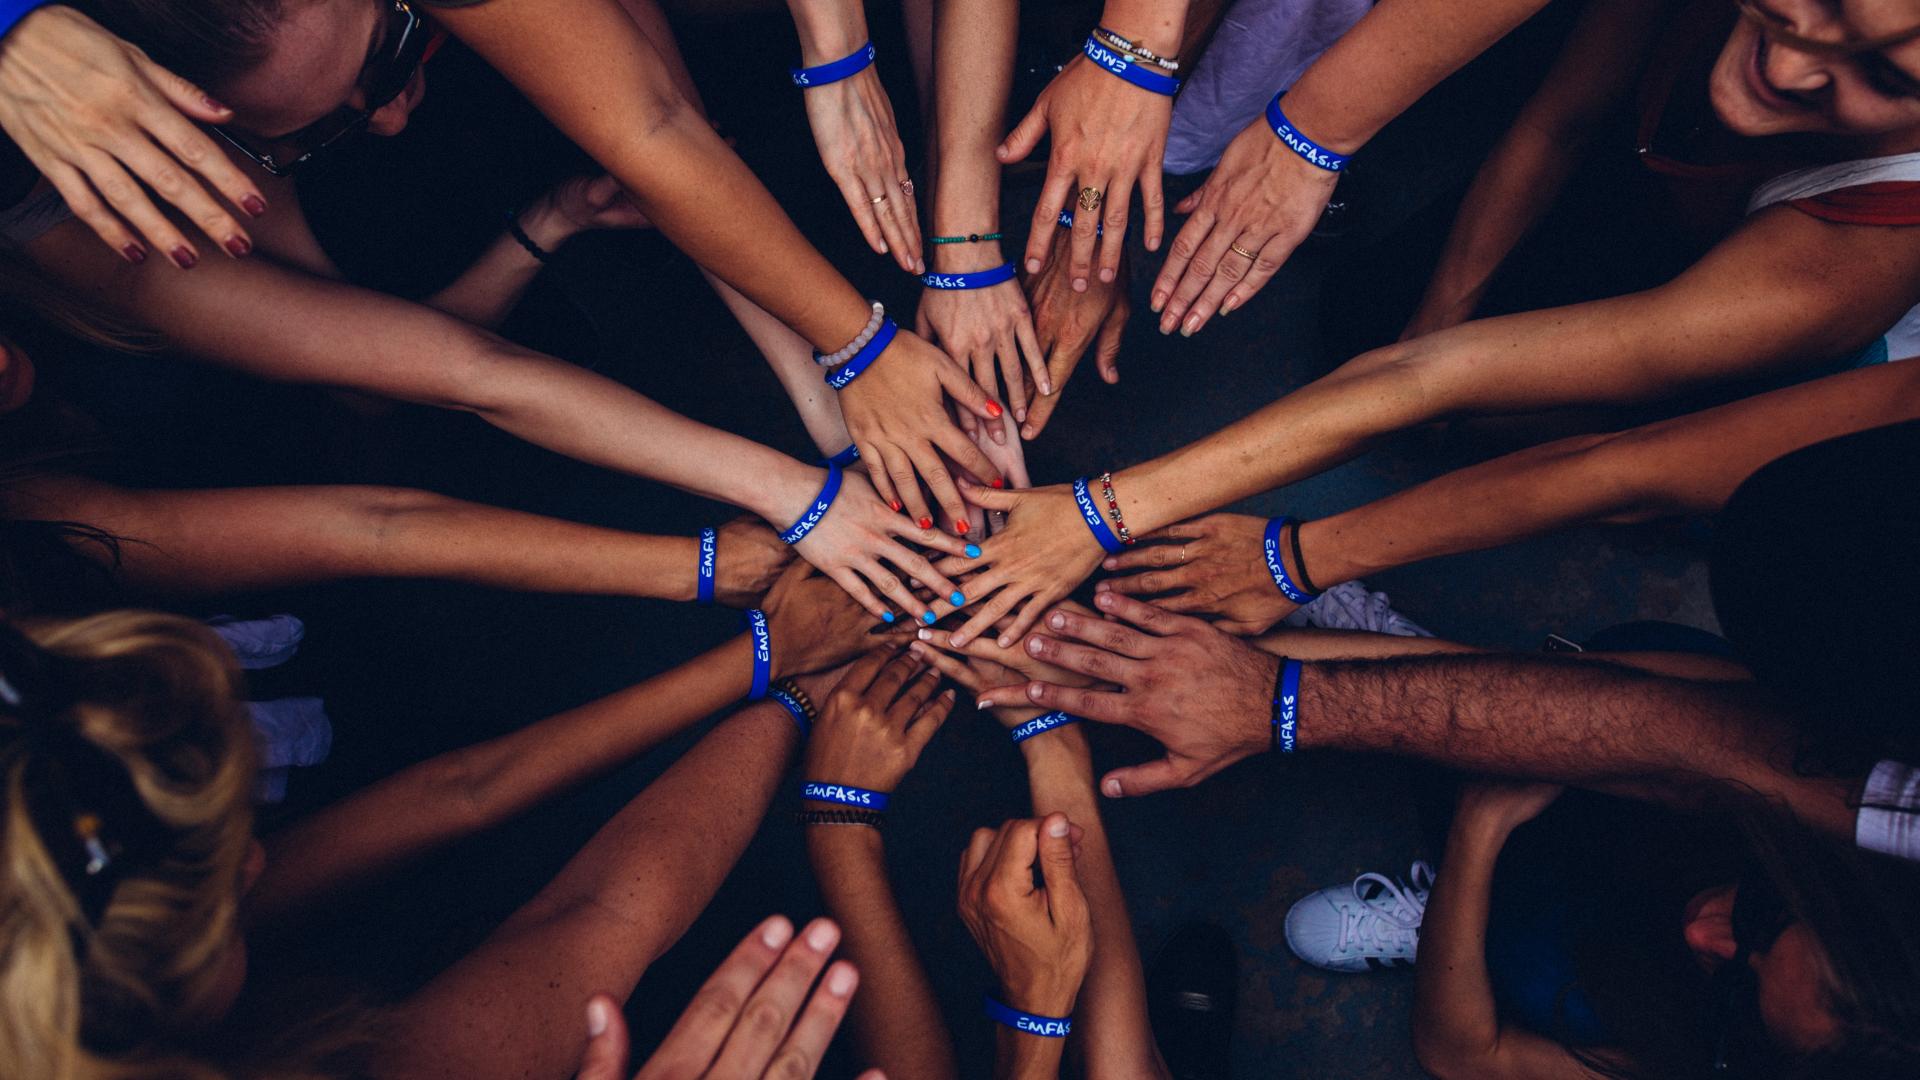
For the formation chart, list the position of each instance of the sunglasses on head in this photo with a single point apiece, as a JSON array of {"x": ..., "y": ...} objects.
[
  {"x": 397, "y": 53},
  {"x": 1759, "y": 916}
]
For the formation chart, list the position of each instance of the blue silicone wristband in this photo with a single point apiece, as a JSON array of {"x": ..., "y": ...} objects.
[
  {"x": 1286, "y": 707},
  {"x": 12, "y": 11},
  {"x": 709, "y": 542},
  {"x": 978, "y": 280},
  {"x": 1278, "y": 567},
  {"x": 806, "y": 78},
  {"x": 793, "y": 709},
  {"x": 1040, "y": 725},
  {"x": 844, "y": 458},
  {"x": 1096, "y": 521},
  {"x": 1047, "y": 1027},
  {"x": 844, "y": 795},
  {"x": 798, "y": 530},
  {"x": 1066, "y": 222},
  {"x": 1124, "y": 67},
  {"x": 762, "y": 653},
  {"x": 1314, "y": 154},
  {"x": 839, "y": 377}
]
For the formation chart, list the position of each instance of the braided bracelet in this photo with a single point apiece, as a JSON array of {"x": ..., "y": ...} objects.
[{"x": 868, "y": 818}]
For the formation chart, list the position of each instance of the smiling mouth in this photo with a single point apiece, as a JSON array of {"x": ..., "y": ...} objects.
[{"x": 1757, "y": 79}]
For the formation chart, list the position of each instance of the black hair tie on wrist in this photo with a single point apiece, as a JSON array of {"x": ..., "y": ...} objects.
[
  {"x": 520, "y": 236},
  {"x": 1300, "y": 562}
]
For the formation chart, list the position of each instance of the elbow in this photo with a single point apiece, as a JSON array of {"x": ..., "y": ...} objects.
[
  {"x": 457, "y": 786},
  {"x": 1622, "y": 476}
]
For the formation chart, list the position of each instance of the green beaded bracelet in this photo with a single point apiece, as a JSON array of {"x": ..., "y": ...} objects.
[{"x": 970, "y": 238}]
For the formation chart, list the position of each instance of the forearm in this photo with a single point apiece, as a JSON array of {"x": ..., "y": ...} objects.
[
  {"x": 973, "y": 42},
  {"x": 1390, "y": 59},
  {"x": 465, "y": 791},
  {"x": 1026, "y": 1057},
  {"x": 1152, "y": 24},
  {"x": 1570, "y": 721},
  {"x": 572, "y": 57},
  {"x": 896, "y": 1019},
  {"x": 791, "y": 359},
  {"x": 489, "y": 289},
  {"x": 1454, "y": 1015},
  {"x": 1116, "y": 1038}
]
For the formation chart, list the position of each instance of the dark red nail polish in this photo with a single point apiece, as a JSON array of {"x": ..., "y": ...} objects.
[
  {"x": 895, "y": 504},
  {"x": 254, "y": 204},
  {"x": 134, "y": 254},
  {"x": 213, "y": 103},
  {"x": 960, "y": 526},
  {"x": 926, "y": 523},
  {"x": 184, "y": 258},
  {"x": 993, "y": 409},
  {"x": 999, "y": 483},
  {"x": 239, "y": 246}
]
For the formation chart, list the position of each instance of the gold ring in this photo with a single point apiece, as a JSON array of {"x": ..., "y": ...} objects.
[
  {"x": 1183, "y": 554},
  {"x": 878, "y": 199},
  {"x": 1090, "y": 198},
  {"x": 1238, "y": 250}
]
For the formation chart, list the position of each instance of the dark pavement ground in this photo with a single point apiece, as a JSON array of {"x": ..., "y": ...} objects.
[{"x": 411, "y": 669}]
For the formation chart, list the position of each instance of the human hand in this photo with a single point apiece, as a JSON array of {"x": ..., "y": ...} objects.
[
  {"x": 1263, "y": 198},
  {"x": 748, "y": 559},
  {"x": 875, "y": 722},
  {"x": 1066, "y": 321},
  {"x": 989, "y": 660},
  {"x": 104, "y": 125},
  {"x": 814, "y": 624},
  {"x": 978, "y": 326},
  {"x": 1009, "y": 455},
  {"x": 1042, "y": 555},
  {"x": 1206, "y": 696},
  {"x": 1107, "y": 135},
  {"x": 1038, "y": 941},
  {"x": 1213, "y": 565},
  {"x": 859, "y": 143},
  {"x": 1504, "y": 805},
  {"x": 583, "y": 204},
  {"x": 859, "y": 538},
  {"x": 760, "y": 1015},
  {"x": 896, "y": 411}
]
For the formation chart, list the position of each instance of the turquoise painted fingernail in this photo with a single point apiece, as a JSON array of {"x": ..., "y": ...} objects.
[
  {"x": 930, "y": 618},
  {"x": 886, "y": 616},
  {"x": 973, "y": 551},
  {"x": 958, "y": 598}
]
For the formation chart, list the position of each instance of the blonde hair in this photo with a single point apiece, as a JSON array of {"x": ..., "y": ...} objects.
[{"x": 85, "y": 1000}]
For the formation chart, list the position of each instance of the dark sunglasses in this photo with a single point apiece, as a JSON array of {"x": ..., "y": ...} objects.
[
  {"x": 1760, "y": 915},
  {"x": 390, "y": 67}
]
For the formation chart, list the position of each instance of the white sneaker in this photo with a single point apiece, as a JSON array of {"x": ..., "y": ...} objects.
[
  {"x": 1371, "y": 925},
  {"x": 1349, "y": 606}
]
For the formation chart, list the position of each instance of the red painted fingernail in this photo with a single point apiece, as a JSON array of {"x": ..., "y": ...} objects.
[
  {"x": 134, "y": 254},
  {"x": 895, "y": 504},
  {"x": 926, "y": 523},
  {"x": 254, "y": 204},
  {"x": 209, "y": 101},
  {"x": 999, "y": 483},
  {"x": 993, "y": 409},
  {"x": 960, "y": 526},
  {"x": 239, "y": 246},
  {"x": 184, "y": 258}
]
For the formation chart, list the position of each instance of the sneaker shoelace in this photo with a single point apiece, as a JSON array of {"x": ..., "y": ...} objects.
[{"x": 1390, "y": 917}]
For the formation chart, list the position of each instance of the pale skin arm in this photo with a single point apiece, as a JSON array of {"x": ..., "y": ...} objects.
[
  {"x": 198, "y": 543},
  {"x": 1457, "y": 1031},
  {"x": 1527, "y": 169},
  {"x": 511, "y": 1008}
]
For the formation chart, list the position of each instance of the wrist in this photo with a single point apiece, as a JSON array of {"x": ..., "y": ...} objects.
[
  {"x": 1063, "y": 750},
  {"x": 545, "y": 225},
  {"x": 1336, "y": 553},
  {"x": 1138, "y": 490},
  {"x": 966, "y": 258},
  {"x": 828, "y": 29},
  {"x": 1154, "y": 26},
  {"x": 788, "y": 492},
  {"x": 1323, "y": 120}
]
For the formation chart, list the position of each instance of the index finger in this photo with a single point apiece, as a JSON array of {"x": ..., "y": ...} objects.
[{"x": 696, "y": 1037}]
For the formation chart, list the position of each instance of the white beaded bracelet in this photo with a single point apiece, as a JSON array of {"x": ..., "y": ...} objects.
[
  {"x": 1119, "y": 44},
  {"x": 835, "y": 359}
]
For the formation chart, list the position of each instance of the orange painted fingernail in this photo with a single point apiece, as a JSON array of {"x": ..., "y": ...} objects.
[
  {"x": 993, "y": 409},
  {"x": 895, "y": 504}
]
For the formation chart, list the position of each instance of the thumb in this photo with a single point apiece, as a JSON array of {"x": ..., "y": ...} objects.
[
  {"x": 606, "y": 1054},
  {"x": 1146, "y": 779},
  {"x": 1057, "y": 867},
  {"x": 987, "y": 498},
  {"x": 1191, "y": 202},
  {"x": 1107, "y": 350},
  {"x": 1025, "y": 135},
  {"x": 602, "y": 192},
  {"x": 185, "y": 96}
]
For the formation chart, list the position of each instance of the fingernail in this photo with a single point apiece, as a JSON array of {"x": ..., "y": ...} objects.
[
  {"x": 929, "y": 618},
  {"x": 917, "y": 649},
  {"x": 134, "y": 254},
  {"x": 958, "y": 598},
  {"x": 597, "y": 1019},
  {"x": 1112, "y": 788},
  {"x": 1058, "y": 828},
  {"x": 823, "y": 937},
  {"x": 1019, "y": 414},
  {"x": 1165, "y": 329},
  {"x": 254, "y": 204},
  {"x": 238, "y": 246},
  {"x": 840, "y": 983},
  {"x": 923, "y": 635},
  {"x": 1103, "y": 599},
  {"x": 978, "y": 704},
  {"x": 1057, "y": 621},
  {"x": 1034, "y": 646},
  {"x": 961, "y": 526},
  {"x": 895, "y": 504},
  {"x": 956, "y": 639},
  {"x": 998, "y": 482},
  {"x": 1027, "y": 433},
  {"x": 926, "y": 523},
  {"x": 1226, "y": 309},
  {"x": 1033, "y": 266},
  {"x": 1159, "y": 301},
  {"x": 973, "y": 551},
  {"x": 184, "y": 258},
  {"x": 1079, "y": 284},
  {"x": 209, "y": 101},
  {"x": 993, "y": 408},
  {"x": 883, "y": 247},
  {"x": 1108, "y": 564},
  {"x": 886, "y": 616},
  {"x": 1106, "y": 275},
  {"x": 775, "y": 934},
  {"x": 1192, "y": 324}
]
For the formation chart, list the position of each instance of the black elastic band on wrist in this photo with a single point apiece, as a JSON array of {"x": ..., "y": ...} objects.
[
  {"x": 1300, "y": 562},
  {"x": 520, "y": 236},
  {"x": 869, "y": 818}
]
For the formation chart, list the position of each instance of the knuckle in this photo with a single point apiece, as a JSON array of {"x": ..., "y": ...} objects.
[
  {"x": 792, "y": 1064},
  {"x": 715, "y": 1005},
  {"x": 764, "y": 1018}
]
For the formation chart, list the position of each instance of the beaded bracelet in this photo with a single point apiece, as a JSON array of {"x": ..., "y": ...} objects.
[
  {"x": 970, "y": 238},
  {"x": 1113, "y": 506},
  {"x": 841, "y": 356},
  {"x": 839, "y": 377},
  {"x": 1123, "y": 66},
  {"x": 1096, "y": 522},
  {"x": 1138, "y": 52},
  {"x": 841, "y": 817}
]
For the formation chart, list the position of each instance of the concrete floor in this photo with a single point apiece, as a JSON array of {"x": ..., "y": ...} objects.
[{"x": 415, "y": 668}]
